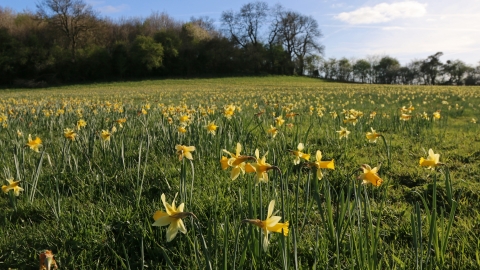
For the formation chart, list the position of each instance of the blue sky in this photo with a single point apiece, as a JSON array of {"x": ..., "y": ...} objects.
[{"x": 405, "y": 29}]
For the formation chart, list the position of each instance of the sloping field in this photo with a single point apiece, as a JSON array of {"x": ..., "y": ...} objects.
[{"x": 264, "y": 173}]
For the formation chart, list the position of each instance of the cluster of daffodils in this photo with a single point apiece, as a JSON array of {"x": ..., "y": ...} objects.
[
  {"x": 406, "y": 113},
  {"x": 319, "y": 164},
  {"x": 3, "y": 120},
  {"x": 239, "y": 164},
  {"x": 351, "y": 116}
]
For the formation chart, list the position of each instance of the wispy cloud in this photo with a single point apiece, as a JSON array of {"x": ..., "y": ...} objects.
[
  {"x": 112, "y": 9},
  {"x": 383, "y": 12},
  {"x": 392, "y": 28}
]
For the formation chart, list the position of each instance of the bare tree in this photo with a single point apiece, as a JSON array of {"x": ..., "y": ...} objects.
[
  {"x": 7, "y": 18},
  {"x": 245, "y": 26},
  {"x": 206, "y": 23},
  {"x": 160, "y": 22},
  {"x": 73, "y": 18},
  {"x": 299, "y": 35}
]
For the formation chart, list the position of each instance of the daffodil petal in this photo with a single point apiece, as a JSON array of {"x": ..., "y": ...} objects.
[{"x": 163, "y": 221}]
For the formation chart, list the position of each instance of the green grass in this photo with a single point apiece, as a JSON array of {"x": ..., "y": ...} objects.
[{"x": 92, "y": 202}]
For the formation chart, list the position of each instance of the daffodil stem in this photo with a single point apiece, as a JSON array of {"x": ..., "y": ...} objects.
[
  {"x": 236, "y": 244},
  {"x": 36, "y": 176},
  {"x": 63, "y": 155},
  {"x": 294, "y": 237},
  {"x": 13, "y": 201},
  {"x": 260, "y": 240},
  {"x": 225, "y": 244},
  {"x": 183, "y": 175},
  {"x": 285, "y": 248},
  {"x": 346, "y": 148},
  {"x": 307, "y": 206},
  {"x": 296, "y": 197},
  {"x": 387, "y": 148},
  {"x": 193, "y": 178},
  {"x": 203, "y": 244}
]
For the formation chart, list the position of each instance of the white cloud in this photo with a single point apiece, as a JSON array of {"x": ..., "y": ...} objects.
[
  {"x": 392, "y": 28},
  {"x": 113, "y": 9},
  {"x": 383, "y": 12}
]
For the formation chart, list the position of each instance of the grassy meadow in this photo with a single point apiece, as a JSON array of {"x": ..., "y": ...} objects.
[{"x": 91, "y": 176}]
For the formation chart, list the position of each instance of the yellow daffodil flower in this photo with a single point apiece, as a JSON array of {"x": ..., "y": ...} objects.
[
  {"x": 436, "y": 115},
  {"x": 184, "y": 151},
  {"x": 236, "y": 161},
  {"x": 12, "y": 185},
  {"x": 3, "y": 118},
  {"x": 291, "y": 115},
  {"x": 81, "y": 123},
  {"x": 343, "y": 132},
  {"x": 69, "y": 134},
  {"x": 106, "y": 135},
  {"x": 370, "y": 175},
  {"x": 405, "y": 117},
  {"x": 261, "y": 167},
  {"x": 182, "y": 130},
  {"x": 273, "y": 130},
  {"x": 299, "y": 154},
  {"x": 279, "y": 121},
  {"x": 211, "y": 128},
  {"x": 270, "y": 224},
  {"x": 229, "y": 111},
  {"x": 121, "y": 121},
  {"x": 350, "y": 119},
  {"x": 407, "y": 110},
  {"x": 184, "y": 119},
  {"x": 432, "y": 161},
  {"x": 319, "y": 164},
  {"x": 224, "y": 162},
  {"x": 34, "y": 144},
  {"x": 372, "y": 136},
  {"x": 172, "y": 217}
]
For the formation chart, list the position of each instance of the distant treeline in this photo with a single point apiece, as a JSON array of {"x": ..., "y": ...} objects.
[
  {"x": 66, "y": 41},
  {"x": 387, "y": 70}
]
